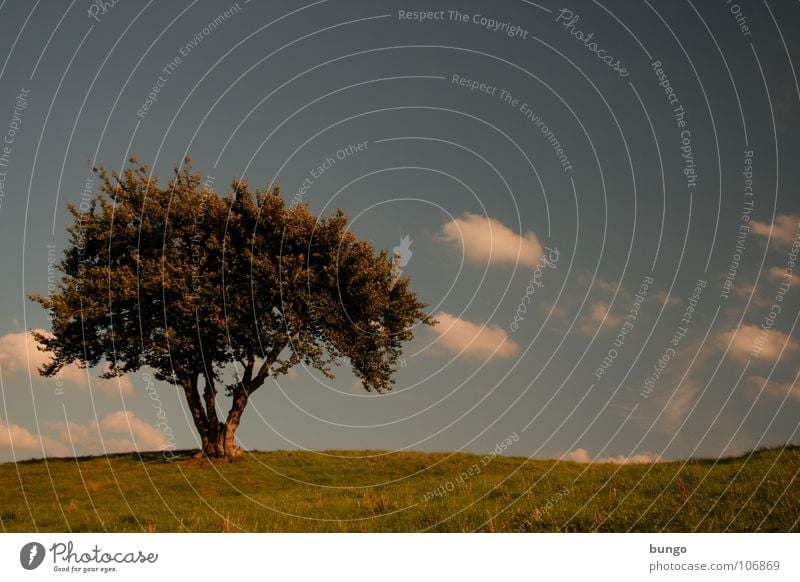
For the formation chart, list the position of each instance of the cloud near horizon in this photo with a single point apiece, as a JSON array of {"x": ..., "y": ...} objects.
[
  {"x": 17, "y": 349},
  {"x": 487, "y": 240},
  {"x": 117, "y": 432},
  {"x": 582, "y": 456},
  {"x": 473, "y": 340}
]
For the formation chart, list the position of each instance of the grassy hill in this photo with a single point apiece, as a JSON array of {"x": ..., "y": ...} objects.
[{"x": 407, "y": 492}]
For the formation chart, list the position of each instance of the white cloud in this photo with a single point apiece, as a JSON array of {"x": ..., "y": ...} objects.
[
  {"x": 599, "y": 315},
  {"x": 750, "y": 338},
  {"x": 487, "y": 240},
  {"x": 17, "y": 349},
  {"x": 582, "y": 456},
  {"x": 775, "y": 389},
  {"x": 472, "y": 339},
  {"x": 22, "y": 441},
  {"x": 117, "y": 432},
  {"x": 784, "y": 229}
]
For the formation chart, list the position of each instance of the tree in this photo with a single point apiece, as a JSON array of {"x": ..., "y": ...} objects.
[{"x": 213, "y": 291}]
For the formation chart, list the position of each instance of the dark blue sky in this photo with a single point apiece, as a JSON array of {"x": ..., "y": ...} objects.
[{"x": 650, "y": 143}]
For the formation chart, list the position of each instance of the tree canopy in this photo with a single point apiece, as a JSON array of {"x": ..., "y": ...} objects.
[{"x": 218, "y": 292}]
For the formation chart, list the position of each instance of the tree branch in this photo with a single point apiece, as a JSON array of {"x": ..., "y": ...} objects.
[
  {"x": 193, "y": 399},
  {"x": 248, "y": 369},
  {"x": 263, "y": 371},
  {"x": 210, "y": 398}
]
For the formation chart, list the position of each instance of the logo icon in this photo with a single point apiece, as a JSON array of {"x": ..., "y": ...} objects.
[
  {"x": 402, "y": 255},
  {"x": 31, "y": 555},
  {"x": 402, "y": 252}
]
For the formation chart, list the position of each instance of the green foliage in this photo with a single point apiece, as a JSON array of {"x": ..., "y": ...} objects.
[{"x": 193, "y": 284}]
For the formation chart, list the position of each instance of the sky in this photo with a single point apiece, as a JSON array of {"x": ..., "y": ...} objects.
[{"x": 599, "y": 199}]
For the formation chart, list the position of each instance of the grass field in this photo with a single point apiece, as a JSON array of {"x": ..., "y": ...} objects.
[{"x": 401, "y": 492}]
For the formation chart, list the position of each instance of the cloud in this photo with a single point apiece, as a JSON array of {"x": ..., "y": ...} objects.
[
  {"x": 117, "y": 432},
  {"x": 678, "y": 405},
  {"x": 776, "y": 389},
  {"x": 17, "y": 349},
  {"x": 21, "y": 440},
  {"x": 752, "y": 338},
  {"x": 599, "y": 315},
  {"x": 662, "y": 298},
  {"x": 582, "y": 456},
  {"x": 486, "y": 240},
  {"x": 778, "y": 276},
  {"x": 784, "y": 229},
  {"x": 473, "y": 340}
]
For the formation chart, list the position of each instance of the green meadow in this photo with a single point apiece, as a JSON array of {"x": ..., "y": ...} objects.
[{"x": 374, "y": 491}]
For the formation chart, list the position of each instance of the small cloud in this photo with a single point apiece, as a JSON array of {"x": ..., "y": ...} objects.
[
  {"x": 778, "y": 276},
  {"x": 781, "y": 232},
  {"x": 661, "y": 298},
  {"x": 599, "y": 316},
  {"x": 678, "y": 405},
  {"x": 751, "y": 340},
  {"x": 582, "y": 456},
  {"x": 21, "y": 441},
  {"x": 473, "y": 340},
  {"x": 587, "y": 279},
  {"x": 775, "y": 389},
  {"x": 555, "y": 310},
  {"x": 19, "y": 353},
  {"x": 746, "y": 290},
  {"x": 487, "y": 240}
]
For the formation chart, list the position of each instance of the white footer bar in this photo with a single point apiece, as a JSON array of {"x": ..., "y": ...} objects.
[{"x": 401, "y": 557}]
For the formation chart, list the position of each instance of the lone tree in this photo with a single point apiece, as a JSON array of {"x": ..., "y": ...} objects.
[{"x": 214, "y": 292}]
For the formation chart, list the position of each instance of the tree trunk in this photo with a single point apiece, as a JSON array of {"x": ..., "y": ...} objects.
[
  {"x": 217, "y": 437},
  {"x": 219, "y": 441}
]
